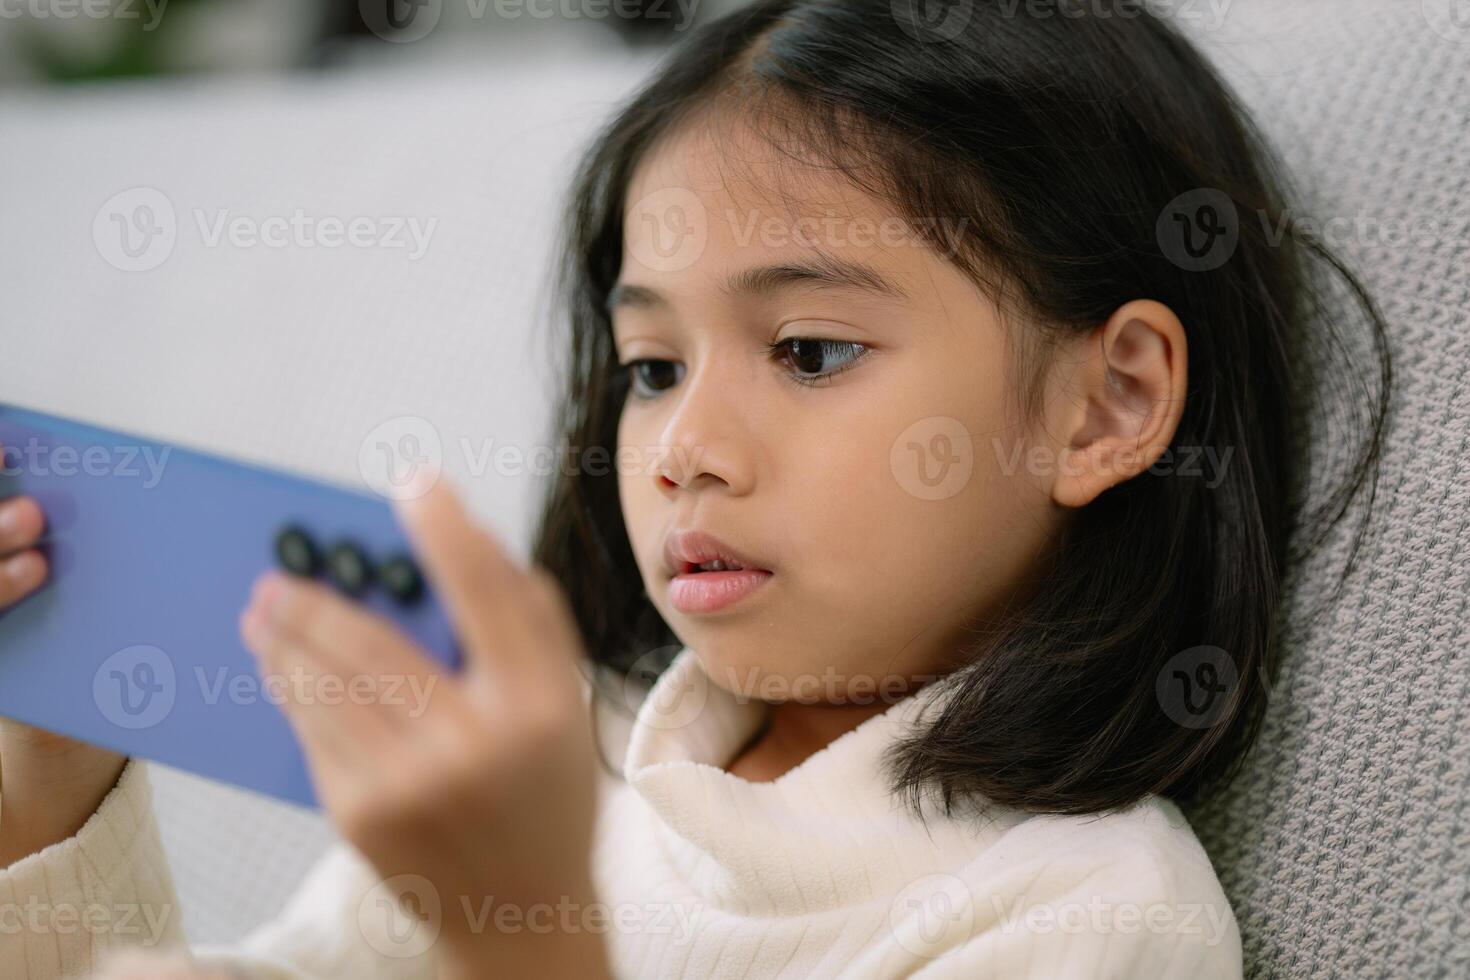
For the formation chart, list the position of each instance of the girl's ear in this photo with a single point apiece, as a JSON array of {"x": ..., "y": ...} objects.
[{"x": 1117, "y": 402}]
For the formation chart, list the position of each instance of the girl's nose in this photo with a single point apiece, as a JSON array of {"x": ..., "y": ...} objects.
[{"x": 705, "y": 440}]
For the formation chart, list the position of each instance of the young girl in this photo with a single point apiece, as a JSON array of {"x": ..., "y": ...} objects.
[{"x": 951, "y": 393}]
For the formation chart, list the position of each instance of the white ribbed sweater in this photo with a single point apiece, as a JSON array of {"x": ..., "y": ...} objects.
[{"x": 704, "y": 874}]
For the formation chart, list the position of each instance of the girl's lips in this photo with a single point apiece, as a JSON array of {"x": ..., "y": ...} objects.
[{"x": 707, "y": 592}]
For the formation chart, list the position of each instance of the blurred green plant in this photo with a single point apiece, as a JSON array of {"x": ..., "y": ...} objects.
[{"x": 131, "y": 39}]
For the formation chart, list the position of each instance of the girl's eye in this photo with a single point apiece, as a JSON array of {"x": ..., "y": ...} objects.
[
  {"x": 652, "y": 376},
  {"x": 811, "y": 362},
  {"x": 811, "y": 358}
]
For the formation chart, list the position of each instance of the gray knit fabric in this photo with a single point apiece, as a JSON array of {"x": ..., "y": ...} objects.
[{"x": 1345, "y": 843}]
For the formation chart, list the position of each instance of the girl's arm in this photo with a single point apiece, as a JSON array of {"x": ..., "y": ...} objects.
[
  {"x": 63, "y": 907},
  {"x": 102, "y": 904}
]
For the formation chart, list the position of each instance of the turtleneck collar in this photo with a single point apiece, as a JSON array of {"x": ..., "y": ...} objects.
[{"x": 824, "y": 834}]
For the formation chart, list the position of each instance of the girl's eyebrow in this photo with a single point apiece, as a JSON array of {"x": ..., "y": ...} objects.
[{"x": 820, "y": 270}]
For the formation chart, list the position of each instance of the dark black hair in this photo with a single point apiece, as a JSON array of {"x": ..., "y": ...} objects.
[{"x": 1067, "y": 142}]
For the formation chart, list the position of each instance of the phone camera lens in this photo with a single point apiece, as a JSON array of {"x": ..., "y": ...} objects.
[
  {"x": 348, "y": 568},
  {"x": 297, "y": 552},
  {"x": 401, "y": 579}
]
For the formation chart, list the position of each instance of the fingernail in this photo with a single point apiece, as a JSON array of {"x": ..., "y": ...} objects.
[
  {"x": 9, "y": 519},
  {"x": 252, "y": 625},
  {"x": 423, "y": 480},
  {"x": 268, "y": 589},
  {"x": 411, "y": 505},
  {"x": 24, "y": 568}
]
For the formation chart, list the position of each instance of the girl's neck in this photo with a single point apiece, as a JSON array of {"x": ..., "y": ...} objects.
[{"x": 793, "y": 732}]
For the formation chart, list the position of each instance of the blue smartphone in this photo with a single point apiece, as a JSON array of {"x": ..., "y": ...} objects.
[{"x": 133, "y": 641}]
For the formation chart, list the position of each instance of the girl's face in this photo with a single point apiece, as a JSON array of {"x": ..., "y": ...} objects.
[{"x": 870, "y": 467}]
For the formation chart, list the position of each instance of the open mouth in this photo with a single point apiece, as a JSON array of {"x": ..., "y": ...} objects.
[{"x": 717, "y": 565}]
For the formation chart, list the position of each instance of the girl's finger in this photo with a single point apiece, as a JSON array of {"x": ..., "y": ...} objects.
[
  {"x": 332, "y": 729},
  {"x": 20, "y": 575},
  {"x": 556, "y": 622},
  {"x": 21, "y": 523},
  {"x": 488, "y": 596},
  {"x": 364, "y": 648}
]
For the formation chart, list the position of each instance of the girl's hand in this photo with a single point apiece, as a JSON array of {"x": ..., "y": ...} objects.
[
  {"x": 485, "y": 792},
  {"x": 50, "y": 784}
]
